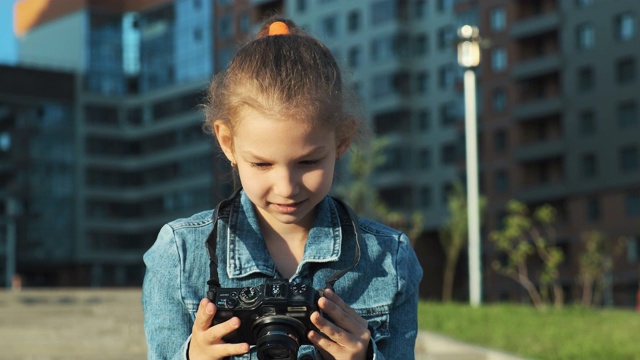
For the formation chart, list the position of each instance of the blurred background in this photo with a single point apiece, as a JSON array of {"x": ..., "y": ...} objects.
[{"x": 101, "y": 139}]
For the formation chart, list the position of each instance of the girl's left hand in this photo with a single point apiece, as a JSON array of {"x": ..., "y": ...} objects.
[{"x": 348, "y": 338}]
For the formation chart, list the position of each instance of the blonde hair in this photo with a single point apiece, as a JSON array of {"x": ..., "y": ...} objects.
[{"x": 283, "y": 76}]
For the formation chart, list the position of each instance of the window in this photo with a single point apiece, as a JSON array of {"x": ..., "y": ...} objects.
[
  {"x": 593, "y": 209},
  {"x": 500, "y": 141},
  {"x": 330, "y": 26},
  {"x": 585, "y": 78},
  {"x": 627, "y": 115},
  {"x": 225, "y": 26},
  {"x": 197, "y": 34},
  {"x": 382, "y": 11},
  {"x": 446, "y": 76},
  {"x": 587, "y": 122},
  {"x": 444, "y": 5},
  {"x": 421, "y": 44},
  {"x": 426, "y": 196},
  {"x": 446, "y": 37},
  {"x": 420, "y": 9},
  {"x": 354, "y": 57},
  {"x": 626, "y": 70},
  {"x": 353, "y": 21},
  {"x": 245, "y": 22},
  {"x": 424, "y": 120},
  {"x": 448, "y": 114},
  {"x": 446, "y": 190},
  {"x": 391, "y": 84},
  {"x": 497, "y": 19},
  {"x": 382, "y": 48},
  {"x": 588, "y": 165},
  {"x": 448, "y": 154},
  {"x": 625, "y": 26},
  {"x": 422, "y": 82},
  {"x": 424, "y": 159},
  {"x": 498, "y": 59},
  {"x": 629, "y": 160},
  {"x": 499, "y": 100},
  {"x": 301, "y": 6},
  {"x": 632, "y": 204},
  {"x": 585, "y": 36},
  {"x": 501, "y": 181}
]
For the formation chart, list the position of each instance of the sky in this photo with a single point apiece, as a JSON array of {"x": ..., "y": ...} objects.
[{"x": 8, "y": 45}]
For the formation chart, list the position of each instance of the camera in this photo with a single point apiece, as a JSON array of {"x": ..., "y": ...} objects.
[{"x": 274, "y": 316}]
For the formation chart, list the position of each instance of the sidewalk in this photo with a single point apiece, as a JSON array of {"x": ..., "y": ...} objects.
[
  {"x": 431, "y": 346},
  {"x": 106, "y": 324}
]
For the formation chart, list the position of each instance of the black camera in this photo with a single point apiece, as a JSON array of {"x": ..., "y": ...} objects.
[{"x": 274, "y": 316}]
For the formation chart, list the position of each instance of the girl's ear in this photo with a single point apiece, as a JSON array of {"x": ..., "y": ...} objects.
[
  {"x": 225, "y": 139},
  {"x": 343, "y": 146},
  {"x": 344, "y": 142}
]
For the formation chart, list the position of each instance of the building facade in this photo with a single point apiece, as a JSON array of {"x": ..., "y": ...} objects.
[{"x": 560, "y": 126}]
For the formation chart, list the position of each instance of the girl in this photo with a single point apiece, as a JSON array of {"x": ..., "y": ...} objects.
[{"x": 277, "y": 114}]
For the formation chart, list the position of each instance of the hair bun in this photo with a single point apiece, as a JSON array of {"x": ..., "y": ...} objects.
[{"x": 278, "y": 28}]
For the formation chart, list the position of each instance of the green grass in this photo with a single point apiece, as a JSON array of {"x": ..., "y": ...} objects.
[{"x": 568, "y": 333}]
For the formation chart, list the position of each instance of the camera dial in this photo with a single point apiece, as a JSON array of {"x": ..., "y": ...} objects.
[{"x": 248, "y": 295}]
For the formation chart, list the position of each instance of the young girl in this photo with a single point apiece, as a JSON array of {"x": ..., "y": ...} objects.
[{"x": 277, "y": 114}]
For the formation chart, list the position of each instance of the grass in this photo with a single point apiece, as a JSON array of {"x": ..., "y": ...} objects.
[{"x": 568, "y": 333}]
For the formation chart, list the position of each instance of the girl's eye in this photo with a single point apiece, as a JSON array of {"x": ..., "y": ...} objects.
[
  {"x": 260, "y": 165},
  {"x": 309, "y": 162}
]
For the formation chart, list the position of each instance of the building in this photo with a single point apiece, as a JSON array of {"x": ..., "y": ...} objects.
[
  {"x": 560, "y": 125},
  {"x": 37, "y": 172},
  {"x": 141, "y": 157},
  {"x": 558, "y": 114}
]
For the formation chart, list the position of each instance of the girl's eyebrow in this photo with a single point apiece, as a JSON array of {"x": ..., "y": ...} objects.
[{"x": 312, "y": 152}]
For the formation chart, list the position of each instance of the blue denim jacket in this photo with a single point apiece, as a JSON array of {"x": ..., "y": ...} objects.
[{"x": 382, "y": 288}]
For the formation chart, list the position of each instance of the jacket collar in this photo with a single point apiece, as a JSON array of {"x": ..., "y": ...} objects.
[{"x": 247, "y": 252}]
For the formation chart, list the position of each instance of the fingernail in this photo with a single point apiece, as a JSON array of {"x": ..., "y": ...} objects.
[
  {"x": 209, "y": 308},
  {"x": 235, "y": 322}
]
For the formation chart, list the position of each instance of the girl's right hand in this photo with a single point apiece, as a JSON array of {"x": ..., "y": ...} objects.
[{"x": 206, "y": 340}]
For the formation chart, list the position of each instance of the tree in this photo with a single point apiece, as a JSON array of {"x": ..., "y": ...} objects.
[
  {"x": 595, "y": 262},
  {"x": 523, "y": 237},
  {"x": 364, "y": 199},
  {"x": 453, "y": 235}
]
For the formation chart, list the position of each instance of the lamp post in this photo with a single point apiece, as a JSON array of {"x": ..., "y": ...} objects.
[{"x": 469, "y": 58}]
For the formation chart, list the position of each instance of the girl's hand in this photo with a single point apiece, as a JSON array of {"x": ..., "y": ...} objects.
[
  {"x": 348, "y": 338},
  {"x": 206, "y": 340}
]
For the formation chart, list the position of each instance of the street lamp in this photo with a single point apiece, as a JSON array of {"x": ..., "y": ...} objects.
[{"x": 469, "y": 58}]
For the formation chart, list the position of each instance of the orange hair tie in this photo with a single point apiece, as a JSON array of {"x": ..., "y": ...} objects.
[{"x": 278, "y": 28}]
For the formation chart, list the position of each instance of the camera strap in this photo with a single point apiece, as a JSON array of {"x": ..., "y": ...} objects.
[{"x": 212, "y": 239}]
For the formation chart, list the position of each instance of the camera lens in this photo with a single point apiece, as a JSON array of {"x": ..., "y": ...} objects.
[{"x": 278, "y": 337}]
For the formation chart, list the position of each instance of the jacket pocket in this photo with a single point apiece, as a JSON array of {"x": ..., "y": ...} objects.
[{"x": 378, "y": 325}]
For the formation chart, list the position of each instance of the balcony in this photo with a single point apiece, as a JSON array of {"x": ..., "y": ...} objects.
[
  {"x": 542, "y": 192},
  {"x": 535, "y": 25},
  {"x": 537, "y": 66},
  {"x": 540, "y": 150},
  {"x": 539, "y": 107}
]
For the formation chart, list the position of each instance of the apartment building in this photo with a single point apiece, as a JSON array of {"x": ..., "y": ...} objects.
[{"x": 560, "y": 125}]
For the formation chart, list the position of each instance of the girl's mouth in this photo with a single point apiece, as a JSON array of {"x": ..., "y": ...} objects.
[{"x": 287, "y": 208}]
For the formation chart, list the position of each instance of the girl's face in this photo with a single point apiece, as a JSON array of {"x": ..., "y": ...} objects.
[{"x": 286, "y": 168}]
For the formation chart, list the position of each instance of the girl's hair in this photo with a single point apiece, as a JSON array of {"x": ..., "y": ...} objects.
[{"x": 283, "y": 76}]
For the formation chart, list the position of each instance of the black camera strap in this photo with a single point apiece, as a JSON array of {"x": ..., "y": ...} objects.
[{"x": 211, "y": 243}]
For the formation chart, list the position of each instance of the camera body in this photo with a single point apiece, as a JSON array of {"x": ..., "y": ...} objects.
[{"x": 269, "y": 313}]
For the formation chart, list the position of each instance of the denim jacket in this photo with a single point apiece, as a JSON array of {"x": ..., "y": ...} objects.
[{"x": 382, "y": 288}]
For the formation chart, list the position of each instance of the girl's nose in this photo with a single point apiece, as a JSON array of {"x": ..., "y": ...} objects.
[{"x": 286, "y": 183}]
